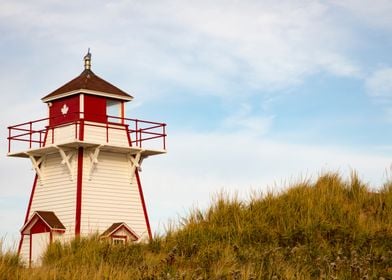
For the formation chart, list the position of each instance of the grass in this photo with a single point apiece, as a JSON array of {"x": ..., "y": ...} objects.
[{"x": 327, "y": 229}]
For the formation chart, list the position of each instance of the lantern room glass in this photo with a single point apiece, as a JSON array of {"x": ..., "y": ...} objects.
[{"x": 113, "y": 111}]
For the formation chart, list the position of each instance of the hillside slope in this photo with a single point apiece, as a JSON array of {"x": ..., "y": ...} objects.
[{"x": 327, "y": 229}]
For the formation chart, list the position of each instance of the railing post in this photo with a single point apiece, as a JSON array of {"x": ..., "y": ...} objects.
[
  {"x": 164, "y": 136},
  {"x": 107, "y": 132},
  {"x": 9, "y": 140},
  {"x": 136, "y": 132},
  {"x": 140, "y": 137},
  {"x": 31, "y": 132},
  {"x": 52, "y": 135}
]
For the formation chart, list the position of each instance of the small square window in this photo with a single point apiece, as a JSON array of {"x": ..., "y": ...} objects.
[
  {"x": 118, "y": 241},
  {"x": 113, "y": 110}
]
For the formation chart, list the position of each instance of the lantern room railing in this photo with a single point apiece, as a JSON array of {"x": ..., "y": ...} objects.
[{"x": 34, "y": 134}]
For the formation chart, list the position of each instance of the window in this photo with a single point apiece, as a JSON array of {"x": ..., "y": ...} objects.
[
  {"x": 113, "y": 110},
  {"x": 118, "y": 240}
]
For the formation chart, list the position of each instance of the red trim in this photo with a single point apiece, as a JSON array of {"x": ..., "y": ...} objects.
[
  {"x": 28, "y": 210},
  {"x": 141, "y": 130},
  {"x": 79, "y": 191},
  {"x": 81, "y": 130},
  {"x": 31, "y": 198},
  {"x": 143, "y": 203},
  {"x": 46, "y": 136},
  {"x": 128, "y": 135},
  {"x": 139, "y": 185},
  {"x": 122, "y": 112}
]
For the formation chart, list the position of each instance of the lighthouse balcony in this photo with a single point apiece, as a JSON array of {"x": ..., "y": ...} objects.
[{"x": 35, "y": 138}]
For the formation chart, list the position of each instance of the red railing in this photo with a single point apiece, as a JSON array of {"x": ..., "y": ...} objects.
[{"x": 33, "y": 134}]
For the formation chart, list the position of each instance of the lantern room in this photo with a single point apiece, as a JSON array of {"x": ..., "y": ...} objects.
[{"x": 86, "y": 97}]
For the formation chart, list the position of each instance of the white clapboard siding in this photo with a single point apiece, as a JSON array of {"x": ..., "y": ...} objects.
[
  {"x": 25, "y": 249},
  {"x": 96, "y": 133},
  {"x": 62, "y": 134},
  {"x": 111, "y": 196},
  {"x": 57, "y": 192}
]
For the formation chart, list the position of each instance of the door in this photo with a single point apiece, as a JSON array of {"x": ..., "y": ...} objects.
[{"x": 39, "y": 243}]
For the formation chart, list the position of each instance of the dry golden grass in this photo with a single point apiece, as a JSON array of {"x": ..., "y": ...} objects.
[{"x": 327, "y": 229}]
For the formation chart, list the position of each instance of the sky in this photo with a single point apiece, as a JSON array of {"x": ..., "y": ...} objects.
[{"x": 256, "y": 95}]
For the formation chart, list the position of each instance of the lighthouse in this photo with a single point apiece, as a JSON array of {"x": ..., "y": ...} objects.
[{"x": 87, "y": 157}]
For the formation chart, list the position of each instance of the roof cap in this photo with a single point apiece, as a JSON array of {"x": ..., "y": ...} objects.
[
  {"x": 89, "y": 83},
  {"x": 87, "y": 60}
]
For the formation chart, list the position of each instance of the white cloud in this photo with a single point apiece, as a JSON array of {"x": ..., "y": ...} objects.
[
  {"x": 245, "y": 119},
  {"x": 379, "y": 83},
  {"x": 339, "y": 65},
  {"x": 207, "y": 47},
  {"x": 374, "y": 13}
]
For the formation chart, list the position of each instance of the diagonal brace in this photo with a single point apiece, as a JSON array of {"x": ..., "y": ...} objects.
[
  {"x": 94, "y": 160},
  {"x": 135, "y": 162},
  {"x": 36, "y": 165},
  {"x": 66, "y": 160}
]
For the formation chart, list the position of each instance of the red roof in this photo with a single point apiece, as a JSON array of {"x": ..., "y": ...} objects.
[
  {"x": 117, "y": 226},
  {"x": 48, "y": 217},
  {"x": 87, "y": 80}
]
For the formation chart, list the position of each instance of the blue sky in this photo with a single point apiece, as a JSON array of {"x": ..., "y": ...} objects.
[{"x": 256, "y": 94}]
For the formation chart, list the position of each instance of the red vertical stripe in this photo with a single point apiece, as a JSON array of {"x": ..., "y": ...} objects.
[
  {"x": 79, "y": 191},
  {"x": 143, "y": 203},
  {"x": 139, "y": 185},
  {"x": 81, "y": 130},
  {"x": 28, "y": 210},
  {"x": 122, "y": 112},
  {"x": 31, "y": 198}
]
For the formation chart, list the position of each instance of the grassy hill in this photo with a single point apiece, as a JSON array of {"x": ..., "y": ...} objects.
[{"x": 327, "y": 229}]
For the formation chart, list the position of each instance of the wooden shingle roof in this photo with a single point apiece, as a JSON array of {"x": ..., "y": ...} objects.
[
  {"x": 117, "y": 226},
  {"x": 89, "y": 83},
  {"x": 48, "y": 217}
]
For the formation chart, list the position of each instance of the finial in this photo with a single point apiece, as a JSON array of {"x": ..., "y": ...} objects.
[{"x": 87, "y": 60}]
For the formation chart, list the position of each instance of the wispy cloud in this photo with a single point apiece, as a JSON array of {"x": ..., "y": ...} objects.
[
  {"x": 372, "y": 13},
  {"x": 244, "y": 119},
  {"x": 379, "y": 84},
  {"x": 212, "y": 46}
]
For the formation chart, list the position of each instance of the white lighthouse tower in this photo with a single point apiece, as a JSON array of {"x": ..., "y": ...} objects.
[{"x": 87, "y": 156}]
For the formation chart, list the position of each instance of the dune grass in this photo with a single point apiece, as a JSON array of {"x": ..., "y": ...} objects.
[{"x": 327, "y": 229}]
